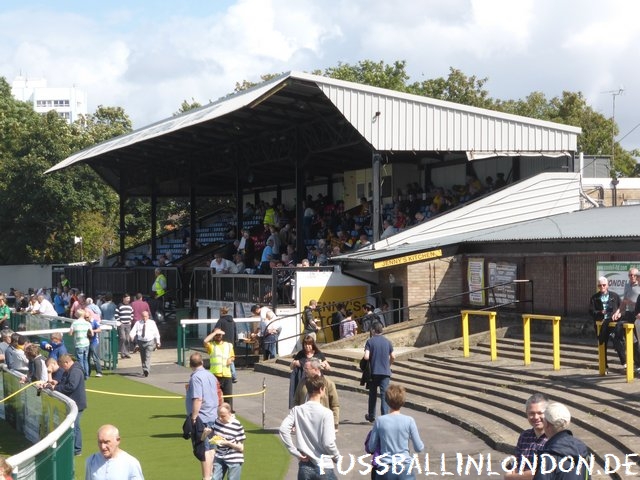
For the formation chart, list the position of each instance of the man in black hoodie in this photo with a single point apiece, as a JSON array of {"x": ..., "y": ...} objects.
[{"x": 563, "y": 456}]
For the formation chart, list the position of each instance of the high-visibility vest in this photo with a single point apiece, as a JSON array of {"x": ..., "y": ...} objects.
[
  {"x": 160, "y": 285},
  {"x": 219, "y": 354}
]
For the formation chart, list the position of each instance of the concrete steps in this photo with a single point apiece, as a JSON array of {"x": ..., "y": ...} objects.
[{"x": 488, "y": 398}]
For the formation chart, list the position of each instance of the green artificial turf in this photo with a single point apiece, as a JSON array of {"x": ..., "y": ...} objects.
[{"x": 151, "y": 430}]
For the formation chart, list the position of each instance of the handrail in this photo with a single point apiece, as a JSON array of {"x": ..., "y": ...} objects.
[
  {"x": 602, "y": 350},
  {"x": 492, "y": 330},
  {"x": 526, "y": 331}
]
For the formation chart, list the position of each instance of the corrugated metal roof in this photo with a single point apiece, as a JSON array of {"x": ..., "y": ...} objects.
[
  {"x": 388, "y": 120},
  {"x": 398, "y": 121}
]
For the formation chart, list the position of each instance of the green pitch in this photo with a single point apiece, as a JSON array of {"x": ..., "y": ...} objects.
[{"x": 151, "y": 430}]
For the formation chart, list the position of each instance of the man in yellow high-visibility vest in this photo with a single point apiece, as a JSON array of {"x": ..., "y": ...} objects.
[
  {"x": 221, "y": 356},
  {"x": 159, "y": 288}
]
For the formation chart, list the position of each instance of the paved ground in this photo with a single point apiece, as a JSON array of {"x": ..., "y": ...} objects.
[{"x": 443, "y": 440}]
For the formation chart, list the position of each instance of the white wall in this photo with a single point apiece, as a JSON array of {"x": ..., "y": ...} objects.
[{"x": 22, "y": 277}]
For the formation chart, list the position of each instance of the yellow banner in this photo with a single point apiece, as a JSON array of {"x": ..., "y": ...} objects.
[{"x": 416, "y": 257}]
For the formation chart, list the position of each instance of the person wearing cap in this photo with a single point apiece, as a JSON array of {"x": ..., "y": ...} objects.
[
  {"x": 221, "y": 356},
  {"x": 563, "y": 456}
]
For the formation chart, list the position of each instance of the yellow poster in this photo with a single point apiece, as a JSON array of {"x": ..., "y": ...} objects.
[{"x": 354, "y": 297}]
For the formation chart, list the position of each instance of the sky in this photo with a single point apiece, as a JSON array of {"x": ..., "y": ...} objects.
[{"x": 147, "y": 56}]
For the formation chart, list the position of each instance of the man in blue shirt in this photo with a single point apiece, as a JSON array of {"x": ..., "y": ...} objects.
[
  {"x": 202, "y": 408},
  {"x": 379, "y": 352}
]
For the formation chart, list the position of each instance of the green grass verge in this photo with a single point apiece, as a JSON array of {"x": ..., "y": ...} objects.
[{"x": 151, "y": 430}]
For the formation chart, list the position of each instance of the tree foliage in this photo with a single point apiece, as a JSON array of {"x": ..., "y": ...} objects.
[{"x": 46, "y": 212}]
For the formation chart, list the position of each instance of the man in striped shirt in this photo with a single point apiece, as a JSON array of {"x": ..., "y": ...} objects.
[
  {"x": 124, "y": 316},
  {"x": 229, "y": 437}
]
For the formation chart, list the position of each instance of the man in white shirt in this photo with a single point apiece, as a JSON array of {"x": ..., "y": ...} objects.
[
  {"x": 220, "y": 265},
  {"x": 111, "y": 463},
  {"x": 147, "y": 339},
  {"x": 46, "y": 307}
]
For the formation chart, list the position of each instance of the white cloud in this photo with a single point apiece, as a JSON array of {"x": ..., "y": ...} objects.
[{"x": 148, "y": 58}]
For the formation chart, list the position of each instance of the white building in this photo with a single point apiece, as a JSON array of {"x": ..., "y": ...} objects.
[{"x": 69, "y": 102}]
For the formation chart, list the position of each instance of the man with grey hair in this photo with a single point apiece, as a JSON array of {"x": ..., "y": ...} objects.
[
  {"x": 532, "y": 440},
  {"x": 563, "y": 456},
  {"x": 605, "y": 306},
  {"x": 313, "y": 368},
  {"x": 627, "y": 310}
]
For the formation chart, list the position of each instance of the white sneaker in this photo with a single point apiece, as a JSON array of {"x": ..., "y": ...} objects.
[{"x": 98, "y": 374}]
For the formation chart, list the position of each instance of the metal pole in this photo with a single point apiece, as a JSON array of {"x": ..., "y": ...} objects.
[{"x": 264, "y": 401}]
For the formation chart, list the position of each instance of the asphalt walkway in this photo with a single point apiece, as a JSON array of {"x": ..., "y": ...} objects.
[{"x": 450, "y": 450}]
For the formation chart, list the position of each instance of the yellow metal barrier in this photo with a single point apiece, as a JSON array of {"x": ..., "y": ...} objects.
[
  {"x": 526, "y": 330},
  {"x": 602, "y": 351},
  {"x": 492, "y": 330}
]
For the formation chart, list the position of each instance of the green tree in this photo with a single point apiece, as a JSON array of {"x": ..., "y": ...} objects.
[{"x": 47, "y": 211}]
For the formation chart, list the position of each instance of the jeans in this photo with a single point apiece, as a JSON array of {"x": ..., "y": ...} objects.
[
  {"x": 82, "y": 355},
  {"x": 378, "y": 382},
  {"x": 77, "y": 434},
  {"x": 311, "y": 471},
  {"x": 94, "y": 354},
  {"x": 220, "y": 467}
]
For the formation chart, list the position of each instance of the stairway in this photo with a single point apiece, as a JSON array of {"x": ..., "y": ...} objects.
[{"x": 487, "y": 398}]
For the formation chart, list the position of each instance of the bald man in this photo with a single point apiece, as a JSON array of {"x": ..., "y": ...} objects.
[{"x": 111, "y": 463}]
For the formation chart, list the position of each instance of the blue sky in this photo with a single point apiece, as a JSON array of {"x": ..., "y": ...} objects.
[{"x": 148, "y": 56}]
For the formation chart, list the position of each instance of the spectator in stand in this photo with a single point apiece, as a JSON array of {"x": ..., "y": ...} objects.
[
  {"x": 362, "y": 242},
  {"x": 108, "y": 308},
  {"x": 55, "y": 347},
  {"x": 309, "y": 350},
  {"x": 21, "y": 301},
  {"x": 124, "y": 316},
  {"x": 72, "y": 385},
  {"x": 247, "y": 248},
  {"x": 220, "y": 265},
  {"x": 532, "y": 440},
  {"x": 307, "y": 219},
  {"x": 14, "y": 356},
  {"x": 139, "y": 305},
  {"x": 94, "y": 342},
  {"x": 275, "y": 236},
  {"x": 605, "y": 305},
  {"x": 267, "y": 256},
  {"x": 238, "y": 264},
  {"x": 420, "y": 218},
  {"x": 80, "y": 331},
  {"x": 79, "y": 303},
  {"x": 348, "y": 326},
  {"x": 500, "y": 181},
  {"x": 37, "y": 365},
  {"x": 5, "y": 342},
  {"x": 45, "y": 307},
  {"x": 387, "y": 229},
  {"x": 54, "y": 372},
  {"x": 5, "y": 312},
  {"x": 60, "y": 304},
  {"x": 94, "y": 310},
  {"x": 392, "y": 433},
  {"x": 33, "y": 306},
  {"x": 566, "y": 452}
]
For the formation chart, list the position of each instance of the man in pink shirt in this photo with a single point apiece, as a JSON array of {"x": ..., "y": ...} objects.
[{"x": 139, "y": 305}]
